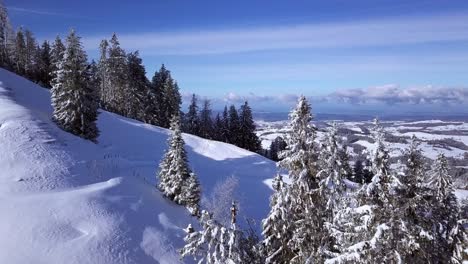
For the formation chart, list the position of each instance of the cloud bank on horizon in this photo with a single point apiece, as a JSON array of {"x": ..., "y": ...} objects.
[{"x": 388, "y": 94}]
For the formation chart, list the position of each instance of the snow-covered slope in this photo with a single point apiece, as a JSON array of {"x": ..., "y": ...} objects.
[{"x": 67, "y": 200}]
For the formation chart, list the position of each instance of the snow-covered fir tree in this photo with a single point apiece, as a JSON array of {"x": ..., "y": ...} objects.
[
  {"x": 214, "y": 243},
  {"x": 138, "y": 87},
  {"x": 31, "y": 64},
  {"x": 56, "y": 56},
  {"x": 103, "y": 74},
  {"x": 450, "y": 237},
  {"x": 176, "y": 180},
  {"x": 117, "y": 76},
  {"x": 166, "y": 96},
  {"x": 413, "y": 208},
  {"x": 332, "y": 172},
  {"x": 73, "y": 100},
  {"x": 306, "y": 207},
  {"x": 277, "y": 229},
  {"x": 20, "y": 55},
  {"x": 6, "y": 39}
]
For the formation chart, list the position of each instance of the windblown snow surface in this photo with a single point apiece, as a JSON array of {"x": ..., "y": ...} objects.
[{"x": 67, "y": 200}]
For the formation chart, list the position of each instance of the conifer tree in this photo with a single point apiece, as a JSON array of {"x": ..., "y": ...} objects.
[
  {"x": 94, "y": 78},
  {"x": 234, "y": 126},
  {"x": 225, "y": 134},
  {"x": 332, "y": 173},
  {"x": 276, "y": 147},
  {"x": 104, "y": 86},
  {"x": 218, "y": 128},
  {"x": 31, "y": 64},
  {"x": 450, "y": 237},
  {"x": 20, "y": 53},
  {"x": 247, "y": 137},
  {"x": 172, "y": 101},
  {"x": 73, "y": 100},
  {"x": 45, "y": 65},
  {"x": 138, "y": 87},
  {"x": 176, "y": 180},
  {"x": 378, "y": 233},
  {"x": 306, "y": 206},
  {"x": 56, "y": 56},
  {"x": 117, "y": 76},
  {"x": 192, "y": 119},
  {"x": 166, "y": 96},
  {"x": 6, "y": 39},
  {"x": 214, "y": 243},
  {"x": 206, "y": 122},
  {"x": 413, "y": 209},
  {"x": 277, "y": 230},
  {"x": 358, "y": 172},
  {"x": 299, "y": 156}
]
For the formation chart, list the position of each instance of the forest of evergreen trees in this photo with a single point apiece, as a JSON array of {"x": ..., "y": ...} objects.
[
  {"x": 117, "y": 83},
  {"x": 319, "y": 216}
]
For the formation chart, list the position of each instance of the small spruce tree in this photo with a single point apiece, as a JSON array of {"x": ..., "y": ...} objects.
[{"x": 176, "y": 180}]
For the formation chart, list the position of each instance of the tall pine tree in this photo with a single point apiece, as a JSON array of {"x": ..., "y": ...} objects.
[
  {"x": 137, "y": 88},
  {"x": 166, "y": 96},
  {"x": 247, "y": 137},
  {"x": 56, "y": 56},
  {"x": 117, "y": 76},
  {"x": 73, "y": 100},
  {"x": 449, "y": 236},
  {"x": 233, "y": 126},
  {"x": 192, "y": 120},
  {"x": 206, "y": 122}
]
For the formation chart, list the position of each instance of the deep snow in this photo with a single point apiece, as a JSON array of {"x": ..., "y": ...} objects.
[{"x": 67, "y": 200}]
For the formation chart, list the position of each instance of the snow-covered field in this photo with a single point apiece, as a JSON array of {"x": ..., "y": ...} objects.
[
  {"x": 436, "y": 136},
  {"x": 67, "y": 200},
  {"x": 449, "y": 138}
]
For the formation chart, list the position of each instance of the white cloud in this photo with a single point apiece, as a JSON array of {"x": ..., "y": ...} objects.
[
  {"x": 234, "y": 98},
  {"x": 376, "y": 32},
  {"x": 393, "y": 94}
]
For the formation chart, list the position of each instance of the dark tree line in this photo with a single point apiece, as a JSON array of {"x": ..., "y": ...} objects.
[
  {"x": 22, "y": 54},
  {"x": 231, "y": 126},
  {"x": 125, "y": 90}
]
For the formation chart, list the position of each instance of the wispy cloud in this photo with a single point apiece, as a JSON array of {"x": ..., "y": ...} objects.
[
  {"x": 41, "y": 12},
  {"x": 376, "y": 32}
]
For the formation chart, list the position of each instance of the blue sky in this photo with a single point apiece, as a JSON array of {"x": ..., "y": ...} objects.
[{"x": 343, "y": 54}]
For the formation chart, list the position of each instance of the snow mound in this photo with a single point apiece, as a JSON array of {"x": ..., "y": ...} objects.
[{"x": 67, "y": 200}]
